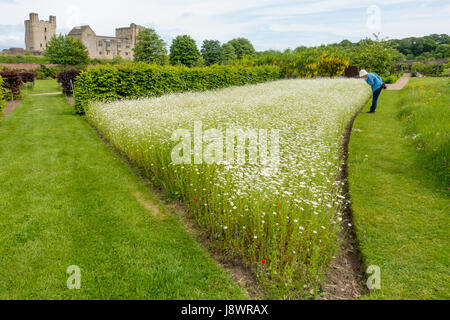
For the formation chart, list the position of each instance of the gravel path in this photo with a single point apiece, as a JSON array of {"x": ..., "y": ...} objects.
[
  {"x": 400, "y": 84},
  {"x": 47, "y": 93}
]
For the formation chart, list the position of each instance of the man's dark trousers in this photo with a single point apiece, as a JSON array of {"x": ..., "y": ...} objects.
[{"x": 376, "y": 94}]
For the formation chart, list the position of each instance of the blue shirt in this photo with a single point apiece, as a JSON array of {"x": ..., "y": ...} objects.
[{"x": 374, "y": 81}]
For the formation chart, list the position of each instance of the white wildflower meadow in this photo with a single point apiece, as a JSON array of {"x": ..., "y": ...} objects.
[{"x": 288, "y": 218}]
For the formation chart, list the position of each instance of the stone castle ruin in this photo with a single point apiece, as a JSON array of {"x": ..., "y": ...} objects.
[
  {"x": 39, "y": 32},
  {"x": 108, "y": 47}
]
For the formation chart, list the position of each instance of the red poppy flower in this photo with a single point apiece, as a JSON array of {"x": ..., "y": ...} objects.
[
  {"x": 263, "y": 261},
  {"x": 217, "y": 253},
  {"x": 279, "y": 206},
  {"x": 195, "y": 199}
]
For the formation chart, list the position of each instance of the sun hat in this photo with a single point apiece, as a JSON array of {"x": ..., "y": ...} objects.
[{"x": 363, "y": 73}]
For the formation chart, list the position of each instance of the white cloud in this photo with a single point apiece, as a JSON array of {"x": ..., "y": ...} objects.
[
  {"x": 10, "y": 41},
  {"x": 314, "y": 6},
  {"x": 267, "y": 23},
  {"x": 9, "y": 38},
  {"x": 321, "y": 28}
]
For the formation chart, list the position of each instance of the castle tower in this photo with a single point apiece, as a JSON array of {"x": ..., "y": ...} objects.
[
  {"x": 38, "y": 33},
  {"x": 130, "y": 32}
]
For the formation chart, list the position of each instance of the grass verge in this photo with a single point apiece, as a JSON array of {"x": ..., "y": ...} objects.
[
  {"x": 400, "y": 213},
  {"x": 425, "y": 110},
  {"x": 66, "y": 199}
]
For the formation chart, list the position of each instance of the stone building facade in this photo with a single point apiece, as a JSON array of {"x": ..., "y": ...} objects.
[
  {"x": 108, "y": 47},
  {"x": 14, "y": 51},
  {"x": 38, "y": 33}
]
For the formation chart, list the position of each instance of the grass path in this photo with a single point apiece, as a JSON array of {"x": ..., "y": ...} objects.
[
  {"x": 401, "y": 215},
  {"x": 66, "y": 199}
]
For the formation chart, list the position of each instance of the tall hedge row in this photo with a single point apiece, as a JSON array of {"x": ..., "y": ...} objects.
[
  {"x": 12, "y": 82},
  {"x": 67, "y": 80},
  {"x": 141, "y": 80},
  {"x": 2, "y": 95},
  {"x": 27, "y": 77},
  {"x": 434, "y": 70}
]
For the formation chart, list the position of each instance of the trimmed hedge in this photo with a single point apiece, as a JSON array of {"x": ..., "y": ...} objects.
[
  {"x": 2, "y": 95},
  {"x": 434, "y": 70},
  {"x": 65, "y": 78},
  {"x": 142, "y": 80},
  {"x": 27, "y": 77},
  {"x": 12, "y": 82}
]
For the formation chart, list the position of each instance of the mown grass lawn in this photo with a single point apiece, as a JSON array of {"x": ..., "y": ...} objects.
[
  {"x": 66, "y": 199},
  {"x": 400, "y": 212},
  {"x": 43, "y": 86}
]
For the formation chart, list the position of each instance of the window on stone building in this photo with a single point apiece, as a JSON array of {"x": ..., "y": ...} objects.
[{"x": 100, "y": 43}]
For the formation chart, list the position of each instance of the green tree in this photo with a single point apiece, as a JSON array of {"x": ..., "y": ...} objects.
[
  {"x": 66, "y": 50},
  {"x": 345, "y": 43},
  {"x": 242, "y": 47},
  {"x": 150, "y": 47},
  {"x": 300, "y": 49},
  {"x": 212, "y": 52},
  {"x": 443, "y": 50},
  {"x": 416, "y": 48},
  {"x": 184, "y": 51},
  {"x": 375, "y": 55},
  {"x": 228, "y": 53}
]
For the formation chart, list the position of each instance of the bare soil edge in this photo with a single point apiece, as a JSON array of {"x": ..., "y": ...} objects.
[
  {"x": 70, "y": 100},
  {"x": 345, "y": 277},
  {"x": 10, "y": 106},
  {"x": 244, "y": 276}
]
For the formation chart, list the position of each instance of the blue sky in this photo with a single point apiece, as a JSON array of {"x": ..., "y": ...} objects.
[{"x": 268, "y": 24}]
